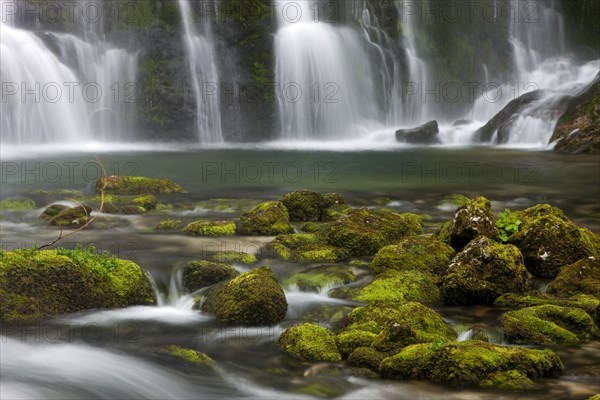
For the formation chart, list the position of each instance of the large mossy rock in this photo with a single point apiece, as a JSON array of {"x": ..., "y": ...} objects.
[
  {"x": 127, "y": 185},
  {"x": 401, "y": 287},
  {"x": 364, "y": 231},
  {"x": 199, "y": 274},
  {"x": 471, "y": 363},
  {"x": 321, "y": 277},
  {"x": 334, "y": 207},
  {"x": 270, "y": 218},
  {"x": 309, "y": 342},
  {"x": 304, "y": 247},
  {"x": 548, "y": 324},
  {"x": 483, "y": 271},
  {"x": 584, "y": 301},
  {"x": 210, "y": 228},
  {"x": 413, "y": 253},
  {"x": 549, "y": 241},
  {"x": 37, "y": 284},
  {"x": 69, "y": 217},
  {"x": 582, "y": 276},
  {"x": 473, "y": 219},
  {"x": 252, "y": 298},
  {"x": 304, "y": 205}
]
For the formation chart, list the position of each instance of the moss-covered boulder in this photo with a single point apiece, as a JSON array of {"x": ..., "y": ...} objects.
[
  {"x": 52, "y": 211},
  {"x": 190, "y": 356},
  {"x": 17, "y": 204},
  {"x": 131, "y": 209},
  {"x": 366, "y": 357},
  {"x": 130, "y": 185},
  {"x": 304, "y": 247},
  {"x": 549, "y": 240},
  {"x": 352, "y": 339},
  {"x": 413, "y": 253},
  {"x": 442, "y": 234},
  {"x": 252, "y": 298},
  {"x": 169, "y": 225},
  {"x": 309, "y": 342},
  {"x": 401, "y": 287},
  {"x": 199, "y": 274},
  {"x": 270, "y": 218},
  {"x": 548, "y": 324},
  {"x": 303, "y": 205},
  {"x": 483, "y": 271},
  {"x": 147, "y": 202},
  {"x": 334, "y": 207},
  {"x": 582, "y": 276},
  {"x": 319, "y": 253},
  {"x": 230, "y": 256},
  {"x": 586, "y": 302},
  {"x": 72, "y": 217},
  {"x": 473, "y": 219},
  {"x": 321, "y": 277},
  {"x": 469, "y": 363},
  {"x": 311, "y": 227},
  {"x": 36, "y": 284},
  {"x": 364, "y": 231},
  {"x": 210, "y": 228}
]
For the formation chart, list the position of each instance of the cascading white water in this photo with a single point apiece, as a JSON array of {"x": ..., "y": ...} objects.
[
  {"x": 77, "y": 95},
  {"x": 204, "y": 73},
  {"x": 325, "y": 83}
]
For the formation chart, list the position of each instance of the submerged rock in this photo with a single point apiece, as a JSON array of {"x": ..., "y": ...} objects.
[
  {"x": 482, "y": 272},
  {"x": 413, "y": 253},
  {"x": 137, "y": 185},
  {"x": 36, "y": 284},
  {"x": 582, "y": 276},
  {"x": 549, "y": 240},
  {"x": 190, "y": 356},
  {"x": 472, "y": 363},
  {"x": 423, "y": 134},
  {"x": 364, "y": 231},
  {"x": 473, "y": 219},
  {"x": 548, "y": 324},
  {"x": 309, "y": 342},
  {"x": 199, "y": 274},
  {"x": 270, "y": 218},
  {"x": 252, "y": 298}
]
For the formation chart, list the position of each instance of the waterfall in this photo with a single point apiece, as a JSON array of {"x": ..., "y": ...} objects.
[
  {"x": 79, "y": 92},
  {"x": 205, "y": 77},
  {"x": 326, "y": 89}
]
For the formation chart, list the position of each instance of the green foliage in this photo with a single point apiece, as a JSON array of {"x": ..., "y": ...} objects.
[{"x": 508, "y": 224}]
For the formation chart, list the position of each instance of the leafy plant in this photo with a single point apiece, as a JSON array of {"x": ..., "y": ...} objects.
[{"x": 508, "y": 224}]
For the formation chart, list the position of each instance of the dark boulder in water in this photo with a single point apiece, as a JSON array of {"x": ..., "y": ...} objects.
[{"x": 423, "y": 134}]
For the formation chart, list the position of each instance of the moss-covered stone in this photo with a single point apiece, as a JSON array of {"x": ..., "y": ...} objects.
[
  {"x": 319, "y": 253},
  {"x": 132, "y": 209},
  {"x": 413, "y": 253},
  {"x": 442, "y": 234},
  {"x": 322, "y": 277},
  {"x": 311, "y": 227},
  {"x": 309, "y": 342},
  {"x": 548, "y": 324},
  {"x": 36, "y": 284},
  {"x": 169, "y": 225},
  {"x": 252, "y": 298},
  {"x": 549, "y": 241},
  {"x": 305, "y": 247},
  {"x": 270, "y": 218},
  {"x": 295, "y": 240},
  {"x": 334, "y": 207},
  {"x": 52, "y": 211},
  {"x": 72, "y": 217},
  {"x": 482, "y": 272},
  {"x": 210, "y": 228},
  {"x": 508, "y": 380},
  {"x": 585, "y": 302},
  {"x": 199, "y": 274},
  {"x": 366, "y": 357},
  {"x": 582, "y": 276},
  {"x": 468, "y": 363},
  {"x": 136, "y": 185},
  {"x": 473, "y": 219},
  {"x": 364, "y": 231},
  {"x": 17, "y": 205},
  {"x": 400, "y": 287},
  {"x": 303, "y": 205},
  {"x": 190, "y": 356},
  {"x": 350, "y": 340},
  {"x": 230, "y": 256},
  {"x": 148, "y": 202}
]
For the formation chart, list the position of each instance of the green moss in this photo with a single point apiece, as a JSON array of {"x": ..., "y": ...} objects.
[
  {"x": 309, "y": 342},
  {"x": 549, "y": 241},
  {"x": 305, "y": 247},
  {"x": 36, "y": 284},
  {"x": 548, "y": 324},
  {"x": 585, "y": 302},
  {"x": 364, "y": 231},
  {"x": 17, "y": 205},
  {"x": 247, "y": 11},
  {"x": 190, "y": 356},
  {"x": 442, "y": 234},
  {"x": 169, "y": 225},
  {"x": 210, "y": 228},
  {"x": 296, "y": 240},
  {"x": 199, "y": 274},
  {"x": 148, "y": 202},
  {"x": 469, "y": 363},
  {"x": 279, "y": 251},
  {"x": 52, "y": 211},
  {"x": 330, "y": 315},
  {"x": 402, "y": 286},
  {"x": 303, "y": 205},
  {"x": 137, "y": 185},
  {"x": 482, "y": 272},
  {"x": 131, "y": 209},
  {"x": 473, "y": 219},
  {"x": 319, "y": 253},
  {"x": 366, "y": 357},
  {"x": 351, "y": 340},
  {"x": 252, "y": 298},
  {"x": 311, "y": 227},
  {"x": 413, "y": 253},
  {"x": 72, "y": 217},
  {"x": 234, "y": 256},
  {"x": 334, "y": 207},
  {"x": 270, "y": 218},
  {"x": 594, "y": 397},
  {"x": 319, "y": 278},
  {"x": 507, "y": 380},
  {"x": 582, "y": 276}
]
